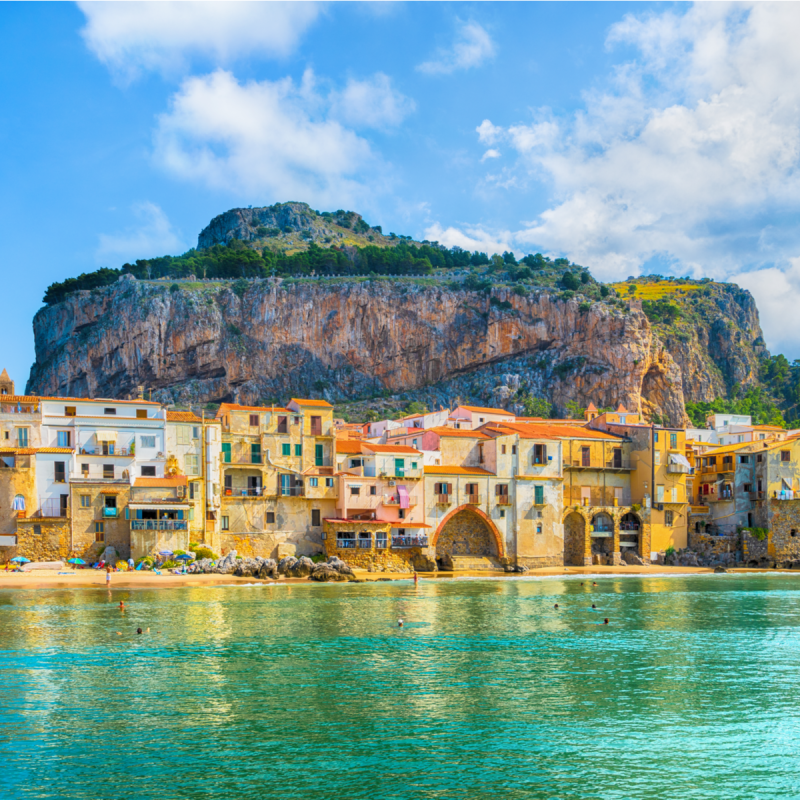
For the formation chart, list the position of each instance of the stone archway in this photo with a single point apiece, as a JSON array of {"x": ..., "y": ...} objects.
[
  {"x": 630, "y": 534},
  {"x": 575, "y": 540},
  {"x": 467, "y": 531}
]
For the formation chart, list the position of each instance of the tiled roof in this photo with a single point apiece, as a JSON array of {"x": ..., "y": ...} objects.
[
  {"x": 391, "y": 448},
  {"x": 348, "y": 446},
  {"x": 55, "y": 450},
  {"x": 488, "y": 410},
  {"x": 236, "y": 407},
  {"x": 457, "y": 471},
  {"x": 356, "y": 447},
  {"x": 319, "y": 403},
  {"x": 172, "y": 480},
  {"x": 182, "y": 416},
  {"x": 445, "y": 431},
  {"x": 17, "y": 451},
  {"x": 20, "y": 398},
  {"x": 527, "y": 430}
]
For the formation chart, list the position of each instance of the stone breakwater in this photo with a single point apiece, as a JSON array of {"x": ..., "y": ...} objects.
[
  {"x": 334, "y": 569},
  {"x": 274, "y": 339}
]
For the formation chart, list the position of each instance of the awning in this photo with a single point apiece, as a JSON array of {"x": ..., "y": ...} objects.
[
  {"x": 677, "y": 458},
  {"x": 106, "y": 436},
  {"x": 402, "y": 493}
]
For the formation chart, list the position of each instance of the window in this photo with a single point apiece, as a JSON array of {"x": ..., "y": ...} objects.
[
  {"x": 194, "y": 490},
  {"x": 22, "y": 437},
  {"x": 513, "y": 449},
  {"x": 401, "y": 513},
  {"x": 414, "y": 443},
  {"x": 659, "y": 494},
  {"x": 355, "y": 490},
  {"x": 785, "y": 455},
  {"x": 373, "y": 490},
  {"x": 192, "y": 467},
  {"x": 657, "y": 457},
  {"x": 502, "y": 512},
  {"x": 501, "y": 490},
  {"x": 298, "y": 450},
  {"x": 183, "y": 435},
  {"x": 282, "y": 426},
  {"x": 316, "y": 518},
  {"x": 195, "y": 432},
  {"x": 226, "y": 524},
  {"x": 668, "y": 517},
  {"x": 540, "y": 453},
  {"x": 60, "y": 471},
  {"x": 255, "y": 453},
  {"x": 86, "y": 501},
  {"x": 673, "y": 441},
  {"x": 110, "y": 501},
  {"x": 538, "y": 528},
  {"x": 99, "y": 530},
  {"x": 108, "y": 471},
  {"x": 270, "y": 517},
  {"x": 226, "y": 452},
  {"x": 538, "y": 495},
  {"x": 286, "y": 449},
  {"x": 110, "y": 411},
  {"x": 329, "y": 482},
  {"x": 586, "y": 457},
  {"x": 413, "y": 465},
  {"x": 254, "y": 420},
  {"x": 480, "y": 419},
  {"x": 471, "y": 489},
  {"x": 37, "y": 530},
  {"x": 748, "y": 487},
  {"x": 502, "y": 448},
  {"x": 655, "y": 436},
  {"x": 148, "y": 472},
  {"x": 69, "y": 411},
  {"x": 295, "y": 420},
  {"x": 85, "y": 470},
  {"x": 443, "y": 488},
  {"x": 316, "y": 426},
  {"x": 141, "y": 413},
  {"x": 400, "y": 467},
  {"x": 314, "y": 482},
  {"x": 744, "y": 459},
  {"x": 759, "y": 458}
]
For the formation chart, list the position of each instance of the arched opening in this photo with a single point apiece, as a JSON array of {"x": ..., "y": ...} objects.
[
  {"x": 630, "y": 529},
  {"x": 574, "y": 540},
  {"x": 466, "y": 533},
  {"x": 602, "y": 537}
]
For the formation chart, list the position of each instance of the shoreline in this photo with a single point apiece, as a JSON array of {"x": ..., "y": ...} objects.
[{"x": 95, "y": 579}]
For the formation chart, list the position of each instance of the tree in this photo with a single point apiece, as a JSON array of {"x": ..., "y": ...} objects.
[
  {"x": 570, "y": 281},
  {"x": 574, "y": 411},
  {"x": 536, "y": 406}
]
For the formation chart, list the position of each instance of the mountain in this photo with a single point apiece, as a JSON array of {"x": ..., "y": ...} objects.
[{"x": 284, "y": 300}]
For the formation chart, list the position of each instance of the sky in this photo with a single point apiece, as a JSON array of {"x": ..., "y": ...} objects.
[{"x": 631, "y": 138}]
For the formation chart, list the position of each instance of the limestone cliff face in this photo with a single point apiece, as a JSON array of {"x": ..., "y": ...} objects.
[{"x": 346, "y": 340}]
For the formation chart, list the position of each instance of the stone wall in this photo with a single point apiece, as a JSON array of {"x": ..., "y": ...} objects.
[
  {"x": 116, "y": 530},
  {"x": 43, "y": 539},
  {"x": 784, "y": 529},
  {"x": 713, "y": 545},
  {"x": 373, "y": 559},
  {"x": 466, "y": 534},
  {"x": 576, "y": 549},
  {"x": 754, "y": 549}
]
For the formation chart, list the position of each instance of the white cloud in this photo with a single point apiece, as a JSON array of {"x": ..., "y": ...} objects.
[
  {"x": 152, "y": 236},
  {"x": 267, "y": 139},
  {"x": 490, "y": 154},
  {"x": 471, "y": 238},
  {"x": 372, "y": 103},
  {"x": 471, "y": 48},
  {"x": 687, "y": 156},
  {"x": 134, "y": 36}
]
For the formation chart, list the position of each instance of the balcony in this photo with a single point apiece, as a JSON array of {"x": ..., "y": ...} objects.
[
  {"x": 443, "y": 499},
  {"x": 159, "y": 525},
  {"x": 394, "y": 500},
  {"x": 598, "y": 497},
  {"x": 503, "y": 500},
  {"x": 785, "y": 494},
  {"x": 403, "y": 475},
  {"x": 722, "y": 497},
  {"x": 678, "y": 469},
  {"x": 596, "y": 463},
  {"x": 123, "y": 452},
  {"x": 110, "y": 513},
  {"x": 473, "y": 499},
  {"x": 290, "y": 491},
  {"x": 699, "y": 509},
  {"x": 401, "y": 542},
  {"x": 255, "y": 492},
  {"x": 51, "y": 509}
]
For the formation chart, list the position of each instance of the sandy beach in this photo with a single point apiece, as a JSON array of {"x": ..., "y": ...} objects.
[{"x": 47, "y": 579}]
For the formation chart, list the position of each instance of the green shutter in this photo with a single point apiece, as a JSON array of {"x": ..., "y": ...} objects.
[
  {"x": 298, "y": 450},
  {"x": 255, "y": 453},
  {"x": 226, "y": 452},
  {"x": 538, "y": 495},
  {"x": 286, "y": 449},
  {"x": 191, "y": 514},
  {"x": 399, "y": 467},
  {"x": 319, "y": 455}
]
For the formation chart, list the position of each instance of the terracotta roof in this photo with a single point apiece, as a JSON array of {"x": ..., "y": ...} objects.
[
  {"x": 444, "y": 431},
  {"x": 55, "y": 450},
  {"x": 359, "y": 521},
  {"x": 17, "y": 451},
  {"x": 356, "y": 447},
  {"x": 320, "y": 403},
  {"x": 348, "y": 446},
  {"x": 488, "y": 410},
  {"x": 182, "y": 416},
  {"x": 172, "y": 480},
  {"x": 591, "y": 407},
  {"x": 236, "y": 407},
  {"x": 457, "y": 471},
  {"x": 621, "y": 409},
  {"x": 527, "y": 430},
  {"x": 4, "y": 376},
  {"x": 392, "y": 448},
  {"x": 19, "y": 398}
]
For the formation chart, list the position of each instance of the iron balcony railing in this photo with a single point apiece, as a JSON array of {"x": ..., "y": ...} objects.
[
  {"x": 444, "y": 499},
  {"x": 394, "y": 500},
  {"x": 290, "y": 491},
  {"x": 51, "y": 508},
  {"x": 111, "y": 451},
  {"x": 596, "y": 463},
  {"x": 473, "y": 499},
  {"x": 409, "y": 541},
  {"x": 159, "y": 524}
]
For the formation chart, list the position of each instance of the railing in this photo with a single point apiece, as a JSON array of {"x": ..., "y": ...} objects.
[
  {"x": 473, "y": 499},
  {"x": 116, "y": 451},
  {"x": 316, "y": 430},
  {"x": 409, "y": 541},
  {"x": 700, "y": 509},
  {"x": 629, "y": 527},
  {"x": 596, "y": 463},
  {"x": 159, "y": 525},
  {"x": 443, "y": 499},
  {"x": 50, "y": 508},
  {"x": 502, "y": 500},
  {"x": 364, "y": 544},
  {"x": 21, "y": 408},
  {"x": 597, "y": 498},
  {"x": 722, "y": 497},
  {"x": 784, "y": 494},
  {"x": 290, "y": 491},
  {"x": 405, "y": 474},
  {"x": 346, "y": 544},
  {"x": 394, "y": 500},
  {"x": 680, "y": 469}
]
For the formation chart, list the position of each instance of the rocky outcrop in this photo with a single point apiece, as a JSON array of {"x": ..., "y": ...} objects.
[{"x": 265, "y": 340}]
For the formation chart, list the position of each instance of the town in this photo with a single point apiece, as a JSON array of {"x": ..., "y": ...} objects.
[{"x": 467, "y": 488}]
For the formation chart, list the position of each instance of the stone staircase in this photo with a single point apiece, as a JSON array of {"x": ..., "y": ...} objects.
[{"x": 475, "y": 563}]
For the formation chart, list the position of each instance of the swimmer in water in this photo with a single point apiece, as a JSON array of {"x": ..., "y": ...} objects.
[
  {"x": 556, "y": 605},
  {"x": 593, "y": 605},
  {"x": 399, "y": 623},
  {"x": 416, "y": 578},
  {"x": 595, "y": 583},
  {"x": 139, "y": 631},
  {"x": 121, "y": 606},
  {"x": 605, "y": 621}
]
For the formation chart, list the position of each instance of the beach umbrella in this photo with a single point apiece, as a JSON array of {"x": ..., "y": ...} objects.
[
  {"x": 165, "y": 552},
  {"x": 20, "y": 560},
  {"x": 183, "y": 557},
  {"x": 75, "y": 561}
]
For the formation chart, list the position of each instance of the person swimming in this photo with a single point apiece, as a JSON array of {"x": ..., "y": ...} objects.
[
  {"x": 399, "y": 623},
  {"x": 593, "y": 605},
  {"x": 556, "y": 605},
  {"x": 138, "y": 630},
  {"x": 121, "y": 605},
  {"x": 416, "y": 578},
  {"x": 605, "y": 621}
]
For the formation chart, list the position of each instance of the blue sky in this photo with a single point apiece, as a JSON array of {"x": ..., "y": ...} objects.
[{"x": 629, "y": 137}]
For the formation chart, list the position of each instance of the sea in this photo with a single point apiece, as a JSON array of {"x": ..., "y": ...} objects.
[{"x": 487, "y": 691}]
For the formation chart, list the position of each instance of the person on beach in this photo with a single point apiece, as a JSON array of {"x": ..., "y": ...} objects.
[
  {"x": 416, "y": 578},
  {"x": 108, "y": 577},
  {"x": 130, "y": 564}
]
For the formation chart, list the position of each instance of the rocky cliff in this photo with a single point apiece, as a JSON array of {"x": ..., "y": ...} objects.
[{"x": 266, "y": 340}]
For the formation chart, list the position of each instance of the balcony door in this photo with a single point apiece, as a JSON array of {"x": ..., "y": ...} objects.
[{"x": 319, "y": 455}]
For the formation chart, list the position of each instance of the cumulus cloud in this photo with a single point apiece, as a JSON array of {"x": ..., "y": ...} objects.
[
  {"x": 471, "y": 48},
  {"x": 490, "y": 154},
  {"x": 372, "y": 103},
  {"x": 132, "y": 37},
  {"x": 471, "y": 238},
  {"x": 687, "y": 156},
  {"x": 275, "y": 139},
  {"x": 152, "y": 235}
]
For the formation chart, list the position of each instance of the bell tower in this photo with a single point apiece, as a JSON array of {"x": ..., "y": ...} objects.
[{"x": 6, "y": 384}]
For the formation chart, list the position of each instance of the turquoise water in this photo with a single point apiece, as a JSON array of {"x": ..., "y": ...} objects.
[{"x": 691, "y": 691}]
